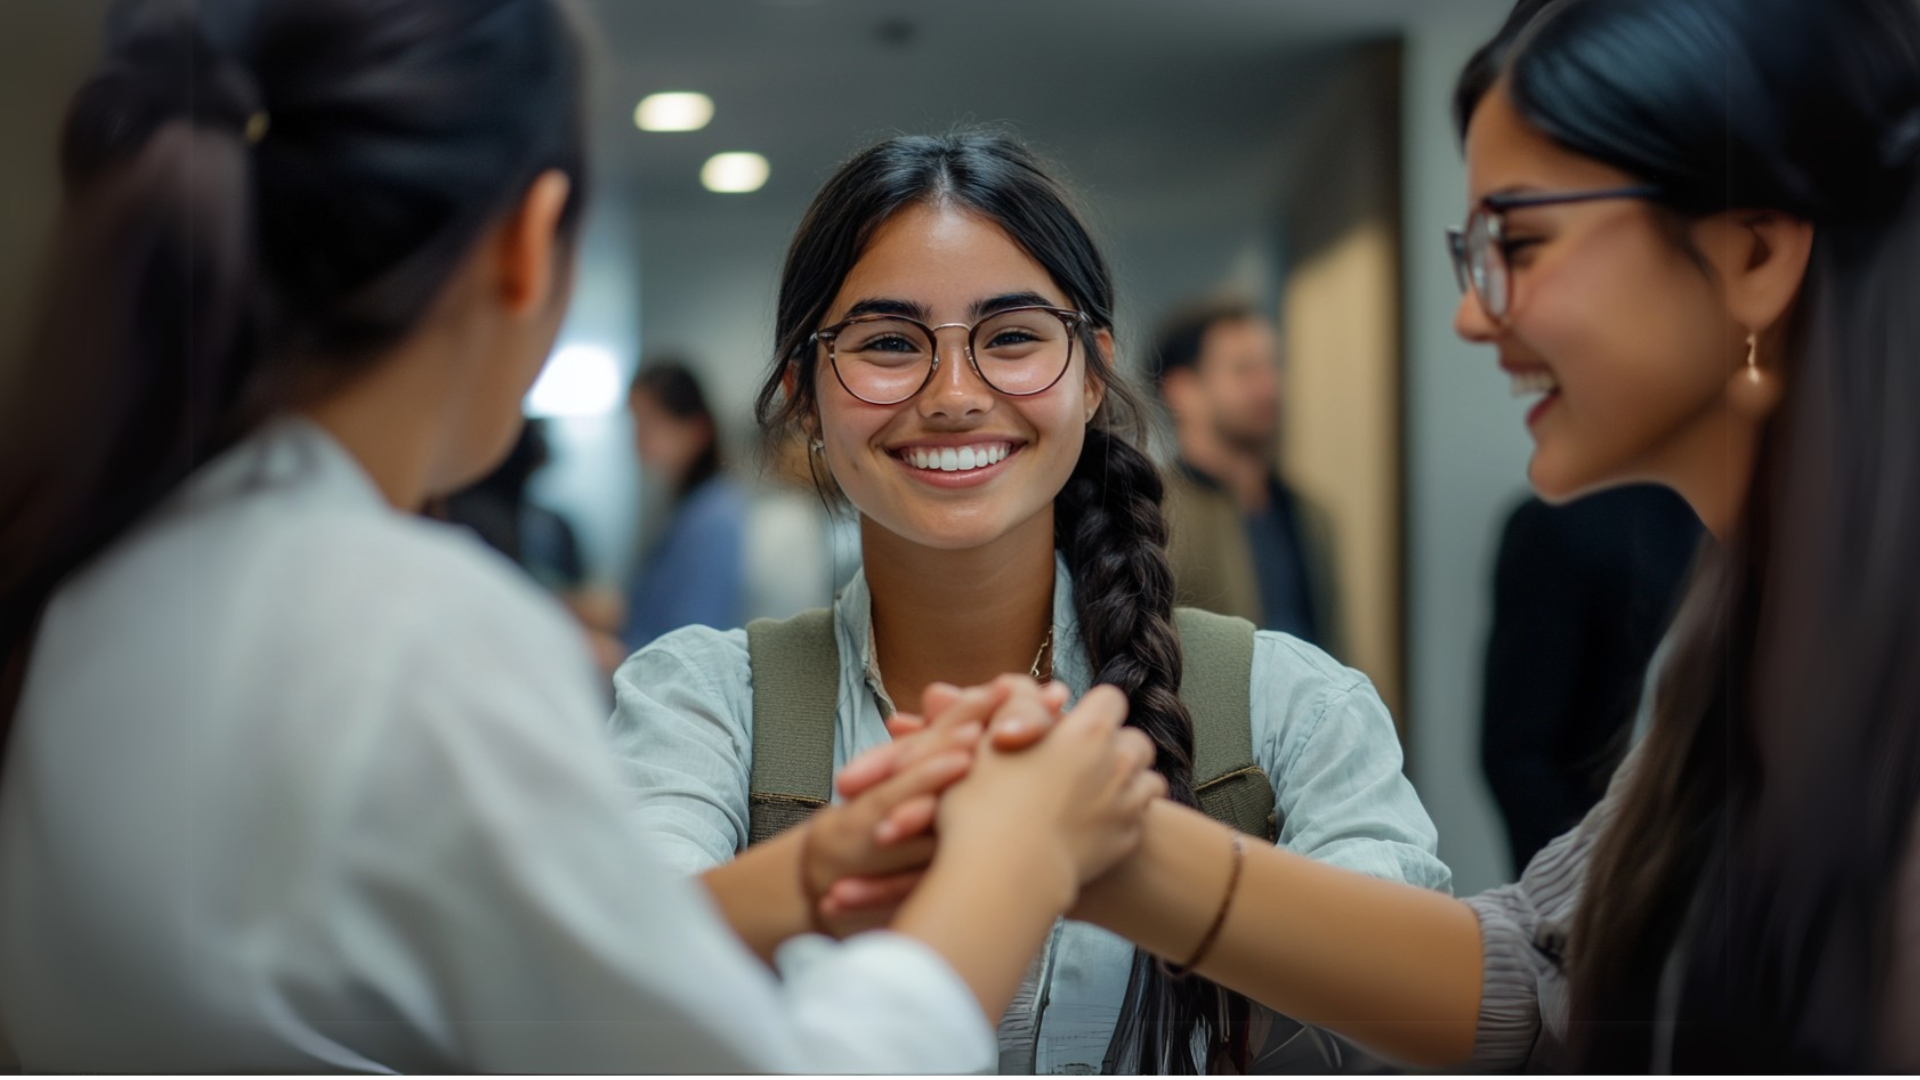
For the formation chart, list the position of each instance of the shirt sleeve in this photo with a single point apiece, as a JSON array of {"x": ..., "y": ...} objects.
[
  {"x": 1523, "y": 939},
  {"x": 485, "y": 907},
  {"x": 682, "y": 730},
  {"x": 1327, "y": 744}
]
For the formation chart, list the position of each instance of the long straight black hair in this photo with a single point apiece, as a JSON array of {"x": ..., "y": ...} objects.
[
  {"x": 260, "y": 197},
  {"x": 1108, "y": 520},
  {"x": 1747, "y": 890}
]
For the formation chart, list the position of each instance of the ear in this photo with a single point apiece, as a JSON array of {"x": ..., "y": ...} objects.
[
  {"x": 527, "y": 252},
  {"x": 1761, "y": 257},
  {"x": 1096, "y": 388}
]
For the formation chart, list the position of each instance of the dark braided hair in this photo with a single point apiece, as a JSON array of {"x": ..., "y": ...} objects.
[{"x": 1108, "y": 521}]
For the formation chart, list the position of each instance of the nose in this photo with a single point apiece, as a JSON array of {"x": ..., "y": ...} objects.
[
  {"x": 956, "y": 390},
  {"x": 1470, "y": 320}
]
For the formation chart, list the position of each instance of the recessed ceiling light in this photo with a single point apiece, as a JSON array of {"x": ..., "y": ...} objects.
[
  {"x": 678, "y": 111},
  {"x": 735, "y": 173}
]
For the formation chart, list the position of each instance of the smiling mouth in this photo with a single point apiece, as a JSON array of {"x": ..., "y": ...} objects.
[
  {"x": 955, "y": 459},
  {"x": 1535, "y": 381}
]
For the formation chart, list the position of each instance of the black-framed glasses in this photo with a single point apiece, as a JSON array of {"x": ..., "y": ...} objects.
[
  {"x": 886, "y": 359},
  {"x": 1479, "y": 248}
]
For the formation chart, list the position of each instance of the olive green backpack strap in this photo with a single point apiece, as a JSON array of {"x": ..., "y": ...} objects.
[
  {"x": 796, "y": 695},
  {"x": 1218, "y": 675}
]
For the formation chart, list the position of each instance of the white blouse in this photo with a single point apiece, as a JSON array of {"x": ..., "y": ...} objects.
[{"x": 301, "y": 783}]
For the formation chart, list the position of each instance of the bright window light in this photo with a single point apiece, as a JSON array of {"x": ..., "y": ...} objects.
[
  {"x": 677, "y": 111},
  {"x": 580, "y": 380},
  {"x": 734, "y": 174}
]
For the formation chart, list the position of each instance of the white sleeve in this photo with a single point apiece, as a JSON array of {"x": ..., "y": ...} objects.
[{"x": 485, "y": 905}]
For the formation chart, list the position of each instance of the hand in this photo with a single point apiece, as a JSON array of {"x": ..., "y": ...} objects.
[
  {"x": 1012, "y": 703},
  {"x": 842, "y": 842},
  {"x": 1079, "y": 795},
  {"x": 1014, "y": 709}
]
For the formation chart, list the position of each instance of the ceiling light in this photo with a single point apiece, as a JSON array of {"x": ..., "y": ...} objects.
[
  {"x": 673, "y": 112},
  {"x": 734, "y": 173},
  {"x": 580, "y": 380}
]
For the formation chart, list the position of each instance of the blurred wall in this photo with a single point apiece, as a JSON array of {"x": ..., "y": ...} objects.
[
  {"x": 1467, "y": 450},
  {"x": 46, "y": 48},
  {"x": 1342, "y": 321}
]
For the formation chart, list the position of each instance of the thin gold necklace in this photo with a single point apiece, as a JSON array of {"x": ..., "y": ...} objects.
[{"x": 1045, "y": 644}]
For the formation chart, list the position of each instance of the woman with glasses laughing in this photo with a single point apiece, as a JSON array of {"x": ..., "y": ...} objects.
[
  {"x": 944, "y": 340},
  {"x": 1696, "y": 237}
]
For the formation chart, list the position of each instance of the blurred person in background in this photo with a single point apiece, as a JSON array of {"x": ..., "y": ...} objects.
[
  {"x": 296, "y": 780},
  {"x": 692, "y": 572},
  {"x": 1242, "y": 541},
  {"x": 944, "y": 344},
  {"x": 1582, "y": 595},
  {"x": 1694, "y": 235},
  {"x": 498, "y": 508}
]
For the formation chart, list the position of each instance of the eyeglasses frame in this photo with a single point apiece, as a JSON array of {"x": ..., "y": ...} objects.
[
  {"x": 1074, "y": 320},
  {"x": 1494, "y": 208}
]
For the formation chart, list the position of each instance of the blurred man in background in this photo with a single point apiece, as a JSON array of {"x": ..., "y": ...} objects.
[{"x": 1242, "y": 541}]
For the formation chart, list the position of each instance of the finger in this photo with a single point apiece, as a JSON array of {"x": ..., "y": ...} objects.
[
  {"x": 971, "y": 706},
  {"x": 1101, "y": 712},
  {"x": 855, "y": 894},
  {"x": 868, "y": 769},
  {"x": 911, "y": 818},
  {"x": 920, "y": 747},
  {"x": 1027, "y": 715},
  {"x": 927, "y": 777},
  {"x": 913, "y": 853},
  {"x": 902, "y": 724},
  {"x": 1136, "y": 747},
  {"x": 1145, "y": 788},
  {"x": 938, "y": 698},
  {"x": 1055, "y": 695}
]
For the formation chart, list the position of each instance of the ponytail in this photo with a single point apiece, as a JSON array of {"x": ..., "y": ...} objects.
[
  {"x": 143, "y": 347},
  {"x": 243, "y": 221}
]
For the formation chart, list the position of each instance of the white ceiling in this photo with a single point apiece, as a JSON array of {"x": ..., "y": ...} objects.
[{"x": 1138, "y": 98}]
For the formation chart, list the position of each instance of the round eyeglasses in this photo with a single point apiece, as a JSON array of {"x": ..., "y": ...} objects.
[
  {"x": 886, "y": 359},
  {"x": 1479, "y": 248}
]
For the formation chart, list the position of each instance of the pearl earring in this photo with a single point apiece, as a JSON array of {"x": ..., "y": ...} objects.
[
  {"x": 1753, "y": 392},
  {"x": 816, "y": 445}
]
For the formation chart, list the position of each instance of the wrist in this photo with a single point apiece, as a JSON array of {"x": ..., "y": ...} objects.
[{"x": 1037, "y": 867}]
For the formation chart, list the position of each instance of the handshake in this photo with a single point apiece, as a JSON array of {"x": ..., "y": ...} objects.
[{"x": 1000, "y": 784}]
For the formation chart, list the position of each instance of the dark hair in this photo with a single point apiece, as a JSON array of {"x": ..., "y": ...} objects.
[
  {"x": 677, "y": 390},
  {"x": 1108, "y": 521},
  {"x": 1181, "y": 337},
  {"x": 260, "y": 197},
  {"x": 1755, "y": 857}
]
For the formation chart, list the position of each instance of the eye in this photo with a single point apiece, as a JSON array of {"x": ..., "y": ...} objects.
[
  {"x": 1516, "y": 250},
  {"x": 889, "y": 343}
]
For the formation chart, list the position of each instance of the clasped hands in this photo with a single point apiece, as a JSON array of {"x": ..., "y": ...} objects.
[{"x": 1004, "y": 763}]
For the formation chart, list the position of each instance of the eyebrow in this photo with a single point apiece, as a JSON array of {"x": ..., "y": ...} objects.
[{"x": 884, "y": 305}]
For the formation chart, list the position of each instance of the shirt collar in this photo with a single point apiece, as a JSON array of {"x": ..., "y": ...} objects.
[
  {"x": 853, "y": 622},
  {"x": 288, "y": 453}
]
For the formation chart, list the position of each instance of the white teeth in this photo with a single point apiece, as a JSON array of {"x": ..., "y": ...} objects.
[
  {"x": 956, "y": 458},
  {"x": 1526, "y": 383}
]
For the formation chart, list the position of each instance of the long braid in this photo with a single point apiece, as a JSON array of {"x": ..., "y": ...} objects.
[{"x": 1110, "y": 526}]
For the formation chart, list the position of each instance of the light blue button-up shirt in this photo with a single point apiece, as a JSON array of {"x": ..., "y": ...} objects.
[{"x": 683, "y": 723}]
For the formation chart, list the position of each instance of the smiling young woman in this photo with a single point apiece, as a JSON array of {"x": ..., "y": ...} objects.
[
  {"x": 1696, "y": 234},
  {"x": 944, "y": 340}
]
